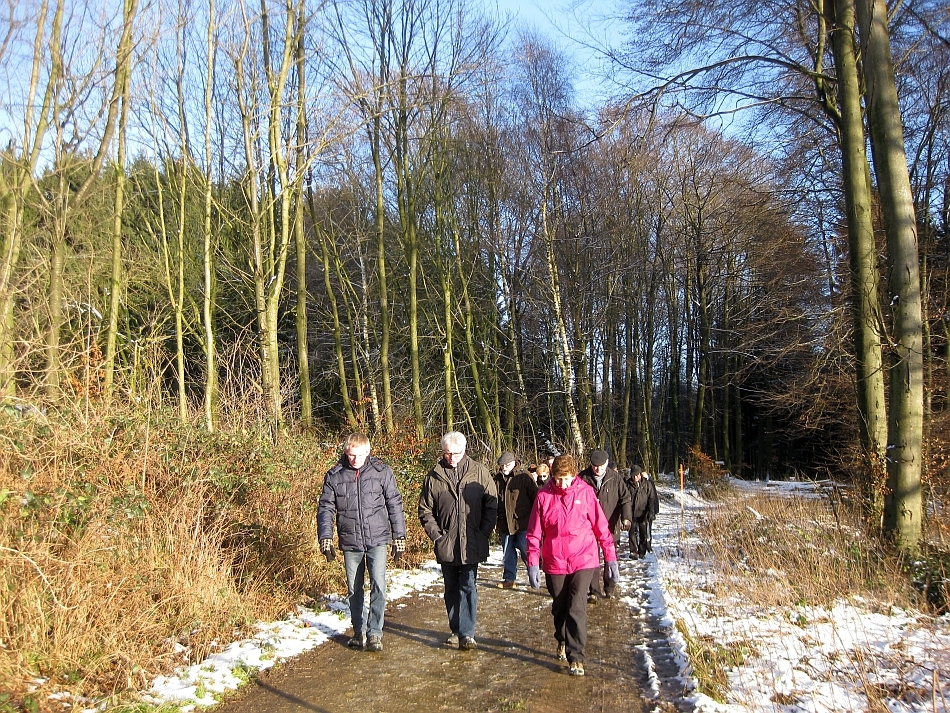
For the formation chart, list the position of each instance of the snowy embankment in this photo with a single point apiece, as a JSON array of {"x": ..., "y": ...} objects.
[
  {"x": 802, "y": 659},
  {"x": 850, "y": 657}
]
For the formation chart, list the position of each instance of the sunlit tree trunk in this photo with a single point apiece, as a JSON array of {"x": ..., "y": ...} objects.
[
  {"x": 300, "y": 239},
  {"x": 903, "y": 501},
  {"x": 123, "y": 70},
  {"x": 865, "y": 294}
]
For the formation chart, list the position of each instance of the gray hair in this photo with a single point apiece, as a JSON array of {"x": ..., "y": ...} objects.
[{"x": 454, "y": 438}]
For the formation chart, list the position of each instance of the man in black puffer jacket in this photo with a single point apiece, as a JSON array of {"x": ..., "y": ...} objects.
[{"x": 360, "y": 495}]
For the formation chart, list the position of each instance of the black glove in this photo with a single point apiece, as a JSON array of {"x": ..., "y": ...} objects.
[
  {"x": 398, "y": 548},
  {"x": 326, "y": 547}
]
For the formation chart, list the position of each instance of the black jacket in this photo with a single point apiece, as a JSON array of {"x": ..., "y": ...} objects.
[
  {"x": 459, "y": 516},
  {"x": 614, "y": 498},
  {"x": 365, "y": 504},
  {"x": 646, "y": 504}
]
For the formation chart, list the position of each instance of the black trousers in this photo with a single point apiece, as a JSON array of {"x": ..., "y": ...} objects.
[
  {"x": 640, "y": 536},
  {"x": 569, "y": 607}
]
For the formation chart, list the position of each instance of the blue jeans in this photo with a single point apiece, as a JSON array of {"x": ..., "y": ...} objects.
[
  {"x": 511, "y": 547},
  {"x": 355, "y": 563},
  {"x": 461, "y": 597}
]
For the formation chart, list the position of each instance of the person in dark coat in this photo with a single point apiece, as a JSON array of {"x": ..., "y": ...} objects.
[
  {"x": 458, "y": 507},
  {"x": 646, "y": 505},
  {"x": 516, "y": 493},
  {"x": 614, "y": 498},
  {"x": 361, "y": 497}
]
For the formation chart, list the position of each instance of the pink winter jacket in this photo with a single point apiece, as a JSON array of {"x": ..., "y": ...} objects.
[{"x": 565, "y": 527}]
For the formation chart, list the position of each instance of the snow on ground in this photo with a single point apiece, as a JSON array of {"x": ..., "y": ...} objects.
[{"x": 805, "y": 660}]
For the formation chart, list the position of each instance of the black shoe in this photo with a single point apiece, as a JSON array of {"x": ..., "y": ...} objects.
[
  {"x": 374, "y": 643},
  {"x": 356, "y": 642},
  {"x": 467, "y": 643},
  {"x": 452, "y": 641}
]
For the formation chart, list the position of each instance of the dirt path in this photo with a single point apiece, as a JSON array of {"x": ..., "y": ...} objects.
[{"x": 515, "y": 667}]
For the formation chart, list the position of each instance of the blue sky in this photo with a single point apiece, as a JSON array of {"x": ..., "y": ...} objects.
[{"x": 559, "y": 20}]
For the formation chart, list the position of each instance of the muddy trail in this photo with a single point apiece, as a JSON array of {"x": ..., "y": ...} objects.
[{"x": 631, "y": 665}]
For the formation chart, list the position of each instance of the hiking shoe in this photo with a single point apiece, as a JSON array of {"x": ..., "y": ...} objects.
[
  {"x": 591, "y": 598},
  {"x": 577, "y": 668},
  {"x": 467, "y": 643},
  {"x": 356, "y": 642},
  {"x": 374, "y": 643},
  {"x": 562, "y": 652},
  {"x": 452, "y": 641},
  {"x": 507, "y": 584}
]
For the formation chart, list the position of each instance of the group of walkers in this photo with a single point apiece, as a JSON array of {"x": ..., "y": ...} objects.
[{"x": 553, "y": 517}]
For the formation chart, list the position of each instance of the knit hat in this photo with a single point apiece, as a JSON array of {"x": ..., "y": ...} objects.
[
  {"x": 506, "y": 458},
  {"x": 598, "y": 457},
  {"x": 563, "y": 465}
]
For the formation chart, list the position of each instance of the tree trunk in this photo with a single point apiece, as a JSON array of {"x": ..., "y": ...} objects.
[
  {"x": 865, "y": 297},
  {"x": 903, "y": 501},
  {"x": 300, "y": 239},
  {"x": 122, "y": 71}
]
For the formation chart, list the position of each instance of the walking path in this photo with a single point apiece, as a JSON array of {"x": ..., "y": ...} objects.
[{"x": 631, "y": 664}]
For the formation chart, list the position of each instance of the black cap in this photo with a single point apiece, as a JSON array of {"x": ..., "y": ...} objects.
[{"x": 599, "y": 457}]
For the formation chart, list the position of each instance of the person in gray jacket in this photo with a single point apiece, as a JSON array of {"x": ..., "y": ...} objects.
[
  {"x": 361, "y": 496},
  {"x": 458, "y": 507}
]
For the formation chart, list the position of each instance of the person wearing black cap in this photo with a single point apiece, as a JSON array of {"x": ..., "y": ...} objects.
[
  {"x": 614, "y": 498},
  {"x": 645, "y": 505},
  {"x": 516, "y": 493}
]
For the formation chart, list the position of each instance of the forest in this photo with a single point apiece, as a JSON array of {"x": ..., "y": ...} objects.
[{"x": 400, "y": 217}]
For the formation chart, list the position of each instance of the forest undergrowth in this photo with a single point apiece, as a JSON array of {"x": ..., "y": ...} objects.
[{"x": 131, "y": 544}]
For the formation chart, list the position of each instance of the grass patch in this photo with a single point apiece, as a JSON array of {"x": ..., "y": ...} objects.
[
  {"x": 799, "y": 551},
  {"x": 130, "y": 544},
  {"x": 711, "y": 661}
]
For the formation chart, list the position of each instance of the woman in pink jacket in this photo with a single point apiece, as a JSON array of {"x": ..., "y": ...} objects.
[{"x": 565, "y": 528}]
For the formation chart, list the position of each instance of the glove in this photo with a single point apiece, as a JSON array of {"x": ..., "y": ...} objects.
[
  {"x": 612, "y": 571},
  {"x": 534, "y": 577},
  {"x": 398, "y": 548},
  {"x": 326, "y": 547},
  {"x": 625, "y": 525}
]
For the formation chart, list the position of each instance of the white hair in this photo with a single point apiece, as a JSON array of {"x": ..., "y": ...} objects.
[{"x": 454, "y": 438}]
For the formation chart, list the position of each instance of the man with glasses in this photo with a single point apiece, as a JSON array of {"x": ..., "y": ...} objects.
[{"x": 458, "y": 507}]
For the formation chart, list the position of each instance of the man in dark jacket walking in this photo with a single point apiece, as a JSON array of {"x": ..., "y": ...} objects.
[
  {"x": 646, "y": 505},
  {"x": 614, "y": 498},
  {"x": 516, "y": 493},
  {"x": 458, "y": 507},
  {"x": 360, "y": 494}
]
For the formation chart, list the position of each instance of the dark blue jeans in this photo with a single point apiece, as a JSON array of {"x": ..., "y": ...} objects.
[
  {"x": 461, "y": 597},
  {"x": 512, "y": 546},
  {"x": 356, "y": 565}
]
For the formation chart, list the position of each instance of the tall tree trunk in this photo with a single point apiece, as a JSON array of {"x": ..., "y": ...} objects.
[
  {"x": 300, "y": 238},
  {"x": 122, "y": 71},
  {"x": 865, "y": 295},
  {"x": 903, "y": 501},
  {"x": 16, "y": 180},
  {"x": 562, "y": 347},
  {"x": 210, "y": 399}
]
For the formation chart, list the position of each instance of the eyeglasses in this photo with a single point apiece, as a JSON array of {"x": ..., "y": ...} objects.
[{"x": 453, "y": 453}]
